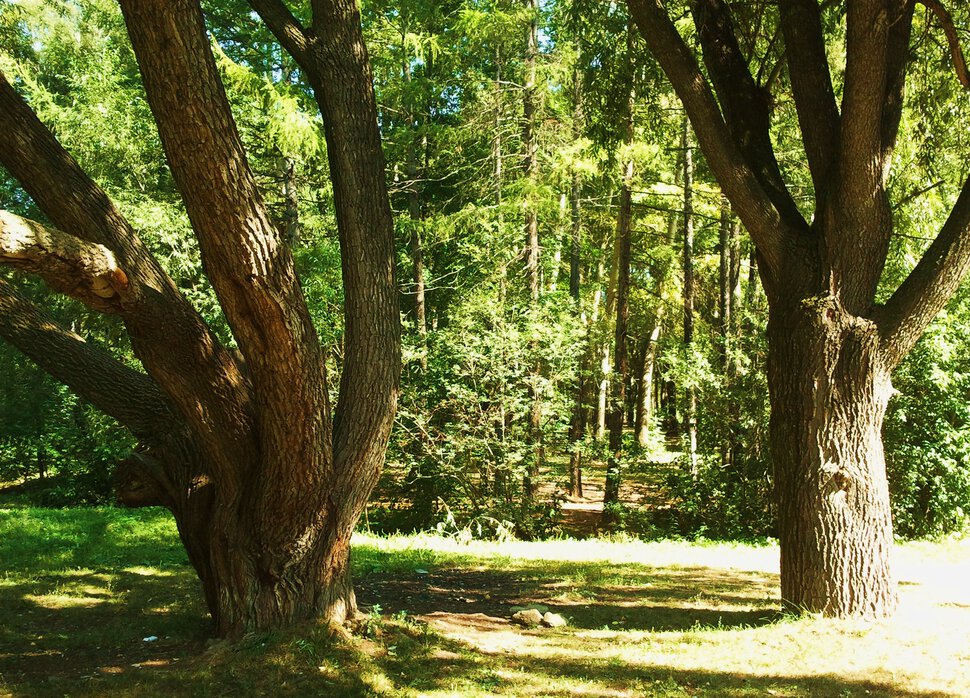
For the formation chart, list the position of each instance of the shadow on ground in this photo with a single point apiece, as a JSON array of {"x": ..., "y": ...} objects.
[
  {"x": 629, "y": 597},
  {"x": 80, "y": 630},
  {"x": 83, "y": 623}
]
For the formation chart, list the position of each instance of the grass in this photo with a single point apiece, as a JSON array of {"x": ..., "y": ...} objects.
[{"x": 81, "y": 589}]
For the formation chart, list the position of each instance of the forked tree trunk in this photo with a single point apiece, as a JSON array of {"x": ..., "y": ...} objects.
[
  {"x": 244, "y": 593},
  {"x": 829, "y": 392}
]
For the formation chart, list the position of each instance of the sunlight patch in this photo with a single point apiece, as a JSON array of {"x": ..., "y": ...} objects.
[{"x": 55, "y": 601}]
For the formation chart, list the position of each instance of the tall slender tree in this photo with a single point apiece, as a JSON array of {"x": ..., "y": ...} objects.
[
  {"x": 623, "y": 244},
  {"x": 530, "y": 166},
  {"x": 687, "y": 258}
]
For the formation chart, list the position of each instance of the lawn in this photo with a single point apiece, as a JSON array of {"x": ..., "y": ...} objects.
[{"x": 97, "y": 602}]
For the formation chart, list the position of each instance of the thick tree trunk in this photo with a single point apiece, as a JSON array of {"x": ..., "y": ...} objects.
[
  {"x": 269, "y": 534},
  {"x": 317, "y": 587},
  {"x": 829, "y": 390},
  {"x": 831, "y": 345}
]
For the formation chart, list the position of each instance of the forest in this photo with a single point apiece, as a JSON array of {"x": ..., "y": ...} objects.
[{"x": 441, "y": 273}]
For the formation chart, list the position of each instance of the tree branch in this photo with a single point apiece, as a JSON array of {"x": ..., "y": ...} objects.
[
  {"x": 857, "y": 216},
  {"x": 808, "y": 68},
  {"x": 897, "y": 62},
  {"x": 339, "y": 72},
  {"x": 129, "y": 396},
  {"x": 82, "y": 270},
  {"x": 952, "y": 38},
  {"x": 248, "y": 264},
  {"x": 929, "y": 286},
  {"x": 177, "y": 348},
  {"x": 284, "y": 26},
  {"x": 755, "y": 208},
  {"x": 867, "y": 38},
  {"x": 746, "y": 105}
]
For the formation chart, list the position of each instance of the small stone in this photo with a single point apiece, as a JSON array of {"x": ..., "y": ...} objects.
[
  {"x": 529, "y": 618},
  {"x": 553, "y": 620}
]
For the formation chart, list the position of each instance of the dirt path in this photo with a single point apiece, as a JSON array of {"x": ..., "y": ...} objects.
[{"x": 582, "y": 517}]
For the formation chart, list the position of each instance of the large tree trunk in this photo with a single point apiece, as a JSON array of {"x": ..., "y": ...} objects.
[
  {"x": 829, "y": 390},
  {"x": 247, "y": 580},
  {"x": 264, "y": 482},
  {"x": 832, "y": 346}
]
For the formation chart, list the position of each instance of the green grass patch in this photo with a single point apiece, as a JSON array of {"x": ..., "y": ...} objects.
[{"x": 82, "y": 589}]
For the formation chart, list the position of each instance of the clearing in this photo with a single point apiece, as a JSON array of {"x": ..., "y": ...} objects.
[{"x": 83, "y": 592}]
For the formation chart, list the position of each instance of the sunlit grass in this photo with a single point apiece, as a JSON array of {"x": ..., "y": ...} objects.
[{"x": 83, "y": 591}]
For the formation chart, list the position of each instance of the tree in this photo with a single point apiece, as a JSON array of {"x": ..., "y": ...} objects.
[
  {"x": 265, "y": 479},
  {"x": 832, "y": 345},
  {"x": 621, "y": 321}
]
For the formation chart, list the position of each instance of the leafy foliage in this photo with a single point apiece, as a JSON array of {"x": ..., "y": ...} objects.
[{"x": 449, "y": 78}]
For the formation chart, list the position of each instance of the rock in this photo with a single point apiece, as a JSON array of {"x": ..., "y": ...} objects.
[
  {"x": 553, "y": 620},
  {"x": 529, "y": 618}
]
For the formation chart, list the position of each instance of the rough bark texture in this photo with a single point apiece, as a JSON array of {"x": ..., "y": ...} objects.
[
  {"x": 265, "y": 485},
  {"x": 830, "y": 389},
  {"x": 831, "y": 346}
]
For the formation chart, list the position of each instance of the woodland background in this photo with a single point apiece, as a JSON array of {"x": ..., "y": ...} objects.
[{"x": 510, "y": 369}]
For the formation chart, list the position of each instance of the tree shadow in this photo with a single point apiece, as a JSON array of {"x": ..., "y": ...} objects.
[
  {"x": 81, "y": 623},
  {"x": 644, "y": 598},
  {"x": 558, "y": 676}
]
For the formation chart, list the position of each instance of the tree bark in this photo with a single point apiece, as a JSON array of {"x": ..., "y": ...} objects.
[
  {"x": 621, "y": 257},
  {"x": 580, "y": 410},
  {"x": 829, "y": 390},
  {"x": 644, "y": 414},
  {"x": 291, "y": 214},
  {"x": 415, "y": 215}
]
